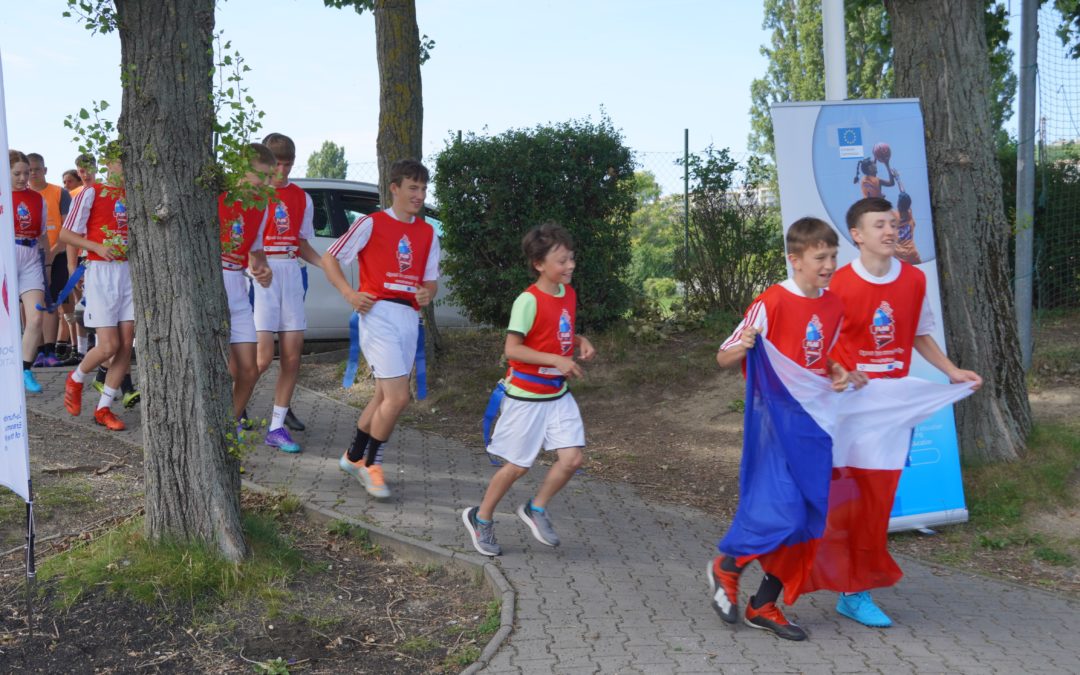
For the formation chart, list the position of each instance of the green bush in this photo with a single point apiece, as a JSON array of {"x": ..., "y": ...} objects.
[
  {"x": 736, "y": 241},
  {"x": 492, "y": 190}
]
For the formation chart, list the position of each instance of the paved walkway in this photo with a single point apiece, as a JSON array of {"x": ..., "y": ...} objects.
[{"x": 626, "y": 592}]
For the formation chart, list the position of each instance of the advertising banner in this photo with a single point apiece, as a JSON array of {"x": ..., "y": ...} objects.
[
  {"x": 14, "y": 452},
  {"x": 828, "y": 156}
]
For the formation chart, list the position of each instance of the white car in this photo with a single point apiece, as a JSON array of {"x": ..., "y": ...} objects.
[{"x": 338, "y": 203}]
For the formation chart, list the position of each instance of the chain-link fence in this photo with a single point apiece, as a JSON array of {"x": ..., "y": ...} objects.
[{"x": 1056, "y": 269}]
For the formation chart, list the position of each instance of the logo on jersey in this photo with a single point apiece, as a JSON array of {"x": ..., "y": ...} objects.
[
  {"x": 814, "y": 344},
  {"x": 236, "y": 234},
  {"x": 882, "y": 327},
  {"x": 22, "y": 215},
  {"x": 120, "y": 214},
  {"x": 565, "y": 333},
  {"x": 281, "y": 218},
  {"x": 404, "y": 253}
]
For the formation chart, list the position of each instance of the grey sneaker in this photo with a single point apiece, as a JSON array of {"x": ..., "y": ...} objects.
[
  {"x": 482, "y": 535},
  {"x": 539, "y": 523}
]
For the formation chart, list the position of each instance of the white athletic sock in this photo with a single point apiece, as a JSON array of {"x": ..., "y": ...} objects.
[
  {"x": 84, "y": 344},
  {"x": 78, "y": 375},
  {"x": 278, "y": 418},
  {"x": 106, "y": 399}
]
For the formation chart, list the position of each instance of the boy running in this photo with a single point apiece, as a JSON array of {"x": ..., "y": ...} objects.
[
  {"x": 802, "y": 320},
  {"x": 30, "y": 214},
  {"x": 241, "y": 231},
  {"x": 886, "y": 316},
  {"x": 398, "y": 255},
  {"x": 98, "y": 222},
  {"x": 279, "y": 308},
  {"x": 538, "y": 410}
]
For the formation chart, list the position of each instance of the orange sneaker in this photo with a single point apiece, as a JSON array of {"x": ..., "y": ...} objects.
[
  {"x": 107, "y": 419},
  {"x": 724, "y": 586},
  {"x": 73, "y": 395},
  {"x": 374, "y": 482},
  {"x": 769, "y": 617}
]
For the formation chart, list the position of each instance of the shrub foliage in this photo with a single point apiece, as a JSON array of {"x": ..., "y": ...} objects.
[{"x": 493, "y": 189}]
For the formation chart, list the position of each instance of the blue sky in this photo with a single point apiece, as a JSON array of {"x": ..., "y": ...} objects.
[{"x": 654, "y": 68}]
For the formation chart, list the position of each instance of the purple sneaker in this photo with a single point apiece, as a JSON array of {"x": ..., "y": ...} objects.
[
  {"x": 47, "y": 361},
  {"x": 279, "y": 438}
]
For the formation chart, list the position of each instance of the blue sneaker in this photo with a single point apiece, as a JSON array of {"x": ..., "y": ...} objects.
[
  {"x": 279, "y": 438},
  {"x": 860, "y": 607},
  {"x": 30, "y": 382}
]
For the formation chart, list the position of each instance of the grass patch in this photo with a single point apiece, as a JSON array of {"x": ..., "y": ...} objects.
[
  {"x": 1053, "y": 556},
  {"x": 418, "y": 645},
  {"x": 176, "y": 574},
  {"x": 1000, "y": 494},
  {"x": 71, "y": 493}
]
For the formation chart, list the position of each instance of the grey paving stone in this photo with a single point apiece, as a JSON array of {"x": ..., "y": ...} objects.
[{"x": 627, "y": 588}]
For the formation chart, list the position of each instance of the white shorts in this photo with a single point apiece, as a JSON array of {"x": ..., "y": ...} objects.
[
  {"x": 524, "y": 427},
  {"x": 241, "y": 321},
  {"x": 388, "y": 339},
  {"x": 107, "y": 291},
  {"x": 280, "y": 307},
  {"x": 31, "y": 272}
]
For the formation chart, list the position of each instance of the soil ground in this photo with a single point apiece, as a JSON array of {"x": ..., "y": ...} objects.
[
  {"x": 660, "y": 415},
  {"x": 350, "y": 609}
]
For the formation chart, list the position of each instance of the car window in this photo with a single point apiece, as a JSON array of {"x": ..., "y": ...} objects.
[
  {"x": 357, "y": 204},
  {"x": 321, "y": 221}
]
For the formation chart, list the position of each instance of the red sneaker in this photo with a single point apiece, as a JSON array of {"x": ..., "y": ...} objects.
[
  {"x": 107, "y": 419},
  {"x": 724, "y": 587},
  {"x": 73, "y": 395},
  {"x": 769, "y": 617}
]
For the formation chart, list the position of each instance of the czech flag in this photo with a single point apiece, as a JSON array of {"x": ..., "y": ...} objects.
[{"x": 796, "y": 428}]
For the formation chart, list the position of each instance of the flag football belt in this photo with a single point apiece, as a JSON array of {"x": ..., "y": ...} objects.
[
  {"x": 354, "y": 355},
  {"x": 29, "y": 243},
  {"x": 73, "y": 280},
  {"x": 499, "y": 393}
]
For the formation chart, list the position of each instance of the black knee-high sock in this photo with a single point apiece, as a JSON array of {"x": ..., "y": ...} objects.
[
  {"x": 359, "y": 445},
  {"x": 374, "y": 452},
  {"x": 727, "y": 563},
  {"x": 767, "y": 592},
  {"x": 102, "y": 373},
  {"x": 127, "y": 385}
]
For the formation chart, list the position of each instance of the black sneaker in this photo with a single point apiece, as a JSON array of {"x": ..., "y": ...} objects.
[
  {"x": 769, "y": 617},
  {"x": 245, "y": 422},
  {"x": 293, "y": 423}
]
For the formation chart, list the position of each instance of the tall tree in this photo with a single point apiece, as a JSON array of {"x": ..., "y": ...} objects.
[
  {"x": 796, "y": 70},
  {"x": 166, "y": 128},
  {"x": 328, "y": 162},
  {"x": 940, "y": 58}
]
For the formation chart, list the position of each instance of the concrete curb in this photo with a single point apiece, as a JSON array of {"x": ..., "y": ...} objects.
[{"x": 422, "y": 552}]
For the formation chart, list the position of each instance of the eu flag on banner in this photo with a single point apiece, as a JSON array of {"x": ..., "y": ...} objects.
[{"x": 850, "y": 141}]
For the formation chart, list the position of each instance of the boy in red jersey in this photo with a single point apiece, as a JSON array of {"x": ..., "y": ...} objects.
[
  {"x": 98, "y": 222},
  {"x": 30, "y": 215},
  {"x": 279, "y": 308},
  {"x": 241, "y": 231},
  {"x": 537, "y": 410},
  {"x": 802, "y": 320},
  {"x": 886, "y": 316},
  {"x": 398, "y": 254},
  {"x": 56, "y": 350}
]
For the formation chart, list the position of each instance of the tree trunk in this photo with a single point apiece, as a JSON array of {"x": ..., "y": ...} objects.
[
  {"x": 940, "y": 57},
  {"x": 401, "y": 109},
  {"x": 166, "y": 123}
]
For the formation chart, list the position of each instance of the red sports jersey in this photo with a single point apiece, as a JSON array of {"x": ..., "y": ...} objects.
[
  {"x": 239, "y": 227},
  {"x": 393, "y": 260},
  {"x": 108, "y": 220},
  {"x": 552, "y": 332},
  {"x": 286, "y": 216},
  {"x": 29, "y": 213},
  {"x": 880, "y": 321},
  {"x": 803, "y": 329}
]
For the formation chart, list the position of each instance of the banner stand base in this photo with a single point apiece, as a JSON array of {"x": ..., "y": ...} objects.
[{"x": 921, "y": 521}]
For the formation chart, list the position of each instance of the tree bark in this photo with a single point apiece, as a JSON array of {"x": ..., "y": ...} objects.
[
  {"x": 166, "y": 125},
  {"x": 940, "y": 57},
  {"x": 401, "y": 108}
]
